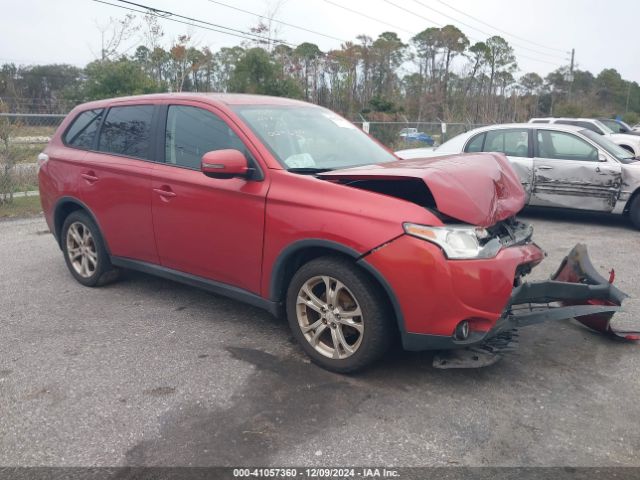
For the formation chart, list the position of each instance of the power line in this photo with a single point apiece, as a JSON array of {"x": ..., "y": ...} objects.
[
  {"x": 191, "y": 19},
  {"x": 169, "y": 16},
  {"x": 551, "y": 55},
  {"x": 369, "y": 17},
  {"x": 499, "y": 29},
  {"x": 472, "y": 38},
  {"x": 279, "y": 21}
]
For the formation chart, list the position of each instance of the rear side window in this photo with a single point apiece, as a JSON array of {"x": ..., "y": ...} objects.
[
  {"x": 513, "y": 143},
  {"x": 82, "y": 132},
  {"x": 539, "y": 121},
  {"x": 564, "y": 146},
  {"x": 475, "y": 145},
  {"x": 192, "y": 132},
  {"x": 127, "y": 131},
  {"x": 590, "y": 126}
]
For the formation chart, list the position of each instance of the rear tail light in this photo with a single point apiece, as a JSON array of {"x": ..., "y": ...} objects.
[{"x": 42, "y": 159}]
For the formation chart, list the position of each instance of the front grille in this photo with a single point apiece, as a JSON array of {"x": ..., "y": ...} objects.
[{"x": 511, "y": 232}]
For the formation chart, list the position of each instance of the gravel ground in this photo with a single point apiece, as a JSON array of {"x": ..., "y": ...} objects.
[{"x": 150, "y": 372}]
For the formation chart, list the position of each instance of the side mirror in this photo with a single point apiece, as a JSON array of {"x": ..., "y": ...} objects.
[
  {"x": 224, "y": 164},
  {"x": 602, "y": 157}
]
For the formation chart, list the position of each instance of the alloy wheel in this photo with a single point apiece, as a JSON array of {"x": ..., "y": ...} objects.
[
  {"x": 330, "y": 317},
  {"x": 81, "y": 250}
]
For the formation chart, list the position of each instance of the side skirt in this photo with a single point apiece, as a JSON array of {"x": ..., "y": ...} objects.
[{"x": 218, "y": 288}]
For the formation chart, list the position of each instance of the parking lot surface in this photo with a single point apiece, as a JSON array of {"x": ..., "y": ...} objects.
[{"x": 151, "y": 372}]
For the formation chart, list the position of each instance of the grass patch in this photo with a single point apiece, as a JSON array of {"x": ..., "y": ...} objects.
[
  {"x": 21, "y": 207},
  {"x": 36, "y": 131},
  {"x": 27, "y": 153}
]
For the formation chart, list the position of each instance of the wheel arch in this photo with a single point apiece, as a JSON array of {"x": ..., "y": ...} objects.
[
  {"x": 292, "y": 257},
  {"x": 63, "y": 208}
]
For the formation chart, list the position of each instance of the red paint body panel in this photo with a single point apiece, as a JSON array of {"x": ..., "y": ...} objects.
[
  {"x": 302, "y": 207},
  {"x": 120, "y": 199},
  {"x": 477, "y": 188},
  {"x": 435, "y": 293},
  {"x": 212, "y": 228}
]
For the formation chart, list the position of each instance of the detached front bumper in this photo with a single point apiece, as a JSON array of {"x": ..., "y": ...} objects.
[{"x": 576, "y": 290}]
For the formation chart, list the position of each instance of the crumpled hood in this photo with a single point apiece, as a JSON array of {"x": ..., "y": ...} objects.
[{"x": 477, "y": 188}]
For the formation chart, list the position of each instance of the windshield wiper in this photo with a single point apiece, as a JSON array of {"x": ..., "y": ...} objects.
[{"x": 309, "y": 170}]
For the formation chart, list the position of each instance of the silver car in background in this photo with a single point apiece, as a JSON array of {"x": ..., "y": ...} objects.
[{"x": 561, "y": 166}]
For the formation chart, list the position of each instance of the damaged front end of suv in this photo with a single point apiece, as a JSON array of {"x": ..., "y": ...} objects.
[
  {"x": 575, "y": 290},
  {"x": 460, "y": 283}
]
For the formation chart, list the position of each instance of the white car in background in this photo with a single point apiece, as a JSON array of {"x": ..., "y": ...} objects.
[
  {"x": 626, "y": 141},
  {"x": 560, "y": 166}
]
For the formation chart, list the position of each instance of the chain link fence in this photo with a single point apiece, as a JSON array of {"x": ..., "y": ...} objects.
[
  {"x": 23, "y": 136},
  {"x": 401, "y": 135}
]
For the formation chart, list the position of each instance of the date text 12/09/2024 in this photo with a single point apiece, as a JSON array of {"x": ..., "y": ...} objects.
[{"x": 342, "y": 473}]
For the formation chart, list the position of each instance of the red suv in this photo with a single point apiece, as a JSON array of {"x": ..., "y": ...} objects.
[{"x": 289, "y": 207}]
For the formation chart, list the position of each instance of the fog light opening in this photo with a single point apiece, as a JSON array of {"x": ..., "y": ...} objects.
[{"x": 462, "y": 330}]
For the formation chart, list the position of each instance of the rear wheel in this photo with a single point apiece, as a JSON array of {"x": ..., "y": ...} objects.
[
  {"x": 634, "y": 212},
  {"x": 84, "y": 251},
  {"x": 338, "y": 315}
]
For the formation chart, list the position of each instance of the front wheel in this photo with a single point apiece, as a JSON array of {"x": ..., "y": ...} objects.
[{"x": 338, "y": 314}]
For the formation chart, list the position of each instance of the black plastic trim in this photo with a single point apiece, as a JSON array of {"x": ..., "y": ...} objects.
[
  {"x": 66, "y": 199},
  {"x": 278, "y": 271},
  {"x": 199, "y": 282}
]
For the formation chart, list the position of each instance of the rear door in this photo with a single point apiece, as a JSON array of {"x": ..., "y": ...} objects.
[
  {"x": 116, "y": 181},
  {"x": 209, "y": 227},
  {"x": 515, "y": 143},
  {"x": 569, "y": 174}
]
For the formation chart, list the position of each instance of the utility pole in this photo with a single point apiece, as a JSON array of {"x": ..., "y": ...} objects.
[{"x": 573, "y": 55}]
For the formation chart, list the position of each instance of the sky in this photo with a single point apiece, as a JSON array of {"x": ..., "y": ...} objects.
[{"x": 542, "y": 32}]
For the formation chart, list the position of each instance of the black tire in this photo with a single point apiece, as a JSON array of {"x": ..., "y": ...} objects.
[
  {"x": 377, "y": 320},
  {"x": 634, "y": 212},
  {"x": 102, "y": 272}
]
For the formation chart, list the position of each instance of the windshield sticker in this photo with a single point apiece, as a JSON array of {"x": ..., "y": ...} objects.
[
  {"x": 300, "y": 160},
  {"x": 339, "y": 121}
]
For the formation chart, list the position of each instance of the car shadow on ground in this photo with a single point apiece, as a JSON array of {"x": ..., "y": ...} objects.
[{"x": 286, "y": 399}]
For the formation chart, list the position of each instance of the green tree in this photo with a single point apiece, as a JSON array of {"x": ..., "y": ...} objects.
[
  {"x": 308, "y": 54},
  {"x": 106, "y": 79},
  {"x": 256, "y": 72},
  {"x": 453, "y": 43}
]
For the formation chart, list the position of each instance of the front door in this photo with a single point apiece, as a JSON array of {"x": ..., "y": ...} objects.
[
  {"x": 568, "y": 173},
  {"x": 209, "y": 227}
]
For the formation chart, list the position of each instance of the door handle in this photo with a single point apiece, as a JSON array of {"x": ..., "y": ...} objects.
[
  {"x": 165, "y": 192},
  {"x": 545, "y": 167},
  {"x": 90, "y": 176}
]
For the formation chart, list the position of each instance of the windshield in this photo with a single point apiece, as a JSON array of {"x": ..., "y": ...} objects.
[
  {"x": 612, "y": 124},
  {"x": 604, "y": 128},
  {"x": 624, "y": 156},
  {"x": 311, "y": 139}
]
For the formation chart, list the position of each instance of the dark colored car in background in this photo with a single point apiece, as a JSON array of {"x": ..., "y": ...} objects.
[{"x": 618, "y": 126}]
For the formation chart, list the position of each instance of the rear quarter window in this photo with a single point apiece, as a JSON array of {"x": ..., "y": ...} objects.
[
  {"x": 82, "y": 131},
  {"x": 127, "y": 131},
  {"x": 475, "y": 145}
]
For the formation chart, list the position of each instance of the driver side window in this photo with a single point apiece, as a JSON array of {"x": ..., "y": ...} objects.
[
  {"x": 191, "y": 132},
  {"x": 564, "y": 146}
]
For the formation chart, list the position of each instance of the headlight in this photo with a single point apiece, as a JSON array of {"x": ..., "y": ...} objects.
[{"x": 457, "y": 242}]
